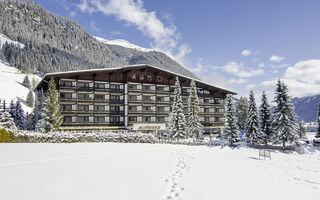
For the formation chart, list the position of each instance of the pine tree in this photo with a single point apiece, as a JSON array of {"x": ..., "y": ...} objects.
[
  {"x": 253, "y": 134},
  {"x": 177, "y": 123},
  {"x": 52, "y": 118},
  {"x": 302, "y": 130},
  {"x": 242, "y": 113},
  {"x": 231, "y": 128},
  {"x": 26, "y": 82},
  {"x": 12, "y": 110},
  {"x": 6, "y": 121},
  {"x": 19, "y": 119},
  {"x": 265, "y": 120},
  {"x": 30, "y": 99},
  {"x": 4, "y": 105},
  {"x": 194, "y": 127},
  {"x": 284, "y": 118},
  {"x": 318, "y": 131}
]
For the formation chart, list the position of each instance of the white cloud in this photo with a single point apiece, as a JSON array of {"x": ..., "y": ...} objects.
[
  {"x": 246, "y": 52},
  {"x": 239, "y": 70},
  {"x": 165, "y": 38},
  {"x": 94, "y": 27},
  {"x": 305, "y": 71},
  {"x": 261, "y": 65},
  {"x": 275, "y": 58},
  {"x": 237, "y": 81}
]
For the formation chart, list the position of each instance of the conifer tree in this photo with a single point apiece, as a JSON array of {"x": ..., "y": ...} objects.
[
  {"x": 26, "y": 82},
  {"x": 318, "y": 131},
  {"x": 52, "y": 118},
  {"x": 284, "y": 117},
  {"x": 194, "y": 127},
  {"x": 231, "y": 128},
  {"x": 265, "y": 120},
  {"x": 242, "y": 112},
  {"x": 30, "y": 99},
  {"x": 19, "y": 119},
  {"x": 253, "y": 134},
  {"x": 177, "y": 123},
  {"x": 12, "y": 110},
  {"x": 302, "y": 130},
  {"x": 4, "y": 105}
]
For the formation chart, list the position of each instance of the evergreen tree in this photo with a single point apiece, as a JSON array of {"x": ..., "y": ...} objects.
[
  {"x": 318, "y": 131},
  {"x": 6, "y": 121},
  {"x": 284, "y": 117},
  {"x": 26, "y": 82},
  {"x": 177, "y": 123},
  {"x": 302, "y": 131},
  {"x": 19, "y": 119},
  {"x": 52, "y": 118},
  {"x": 194, "y": 127},
  {"x": 12, "y": 110},
  {"x": 242, "y": 113},
  {"x": 265, "y": 120},
  {"x": 4, "y": 105},
  {"x": 30, "y": 99},
  {"x": 253, "y": 134},
  {"x": 231, "y": 128}
]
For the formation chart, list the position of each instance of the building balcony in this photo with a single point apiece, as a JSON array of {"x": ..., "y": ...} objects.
[
  {"x": 116, "y": 112},
  {"x": 116, "y": 90},
  {"x": 112, "y": 101}
]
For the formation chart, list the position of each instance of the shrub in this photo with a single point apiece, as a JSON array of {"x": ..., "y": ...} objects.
[{"x": 6, "y": 136}]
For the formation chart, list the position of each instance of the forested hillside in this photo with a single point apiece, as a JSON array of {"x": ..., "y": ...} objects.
[{"x": 53, "y": 43}]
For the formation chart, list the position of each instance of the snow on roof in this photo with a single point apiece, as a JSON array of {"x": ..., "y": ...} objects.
[{"x": 133, "y": 66}]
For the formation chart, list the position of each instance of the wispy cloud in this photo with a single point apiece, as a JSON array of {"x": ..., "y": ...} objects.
[
  {"x": 246, "y": 52},
  {"x": 239, "y": 70},
  {"x": 94, "y": 27},
  {"x": 165, "y": 37},
  {"x": 276, "y": 58}
]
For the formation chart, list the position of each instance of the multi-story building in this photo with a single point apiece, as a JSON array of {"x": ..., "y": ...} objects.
[{"x": 130, "y": 97}]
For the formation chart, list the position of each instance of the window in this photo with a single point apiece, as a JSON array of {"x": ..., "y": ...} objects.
[
  {"x": 206, "y": 100},
  {"x": 66, "y": 107},
  {"x": 66, "y": 83},
  {"x": 133, "y": 119},
  {"x": 132, "y": 86},
  {"x": 146, "y": 87},
  {"x": 83, "y": 107},
  {"x": 171, "y": 89},
  {"x": 207, "y": 119},
  {"x": 159, "y": 78},
  {"x": 66, "y": 95},
  {"x": 99, "y": 96},
  {"x": 83, "y": 96},
  {"x": 114, "y": 108},
  {"x": 99, "y": 86},
  {"x": 67, "y": 119},
  {"x": 146, "y": 98},
  {"x": 114, "y": 87},
  {"x": 114, "y": 98},
  {"x": 146, "y": 108},
  {"x": 160, "y": 109},
  {"x": 141, "y": 77},
  {"x": 160, "y": 119},
  {"x": 160, "y": 88},
  {"x": 216, "y": 101},
  {"x": 217, "y": 119},
  {"x": 133, "y": 77},
  {"x": 160, "y": 98},
  {"x": 149, "y": 78},
  {"x": 171, "y": 99},
  {"x": 185, "y": 110},
  {"x": 206, "y": 110},
  {"x": 147, "y": 119},
  {"x": 184, "y": 100},
  {"x": 133, "y": 108},
  {"x": 99, "y": 108},
  {"x": 83, "y": 85},
  {"x": 114, "y": 119},
  {"x": 133, "y": 97},
  {"x": 99, "y": 119},
  {"x": 83, "y": 119}
]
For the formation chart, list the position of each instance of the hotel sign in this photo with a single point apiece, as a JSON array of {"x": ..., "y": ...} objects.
[{"x": 149, "y": 127}]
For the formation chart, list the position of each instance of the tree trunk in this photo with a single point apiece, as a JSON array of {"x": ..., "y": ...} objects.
[{"x": 283, "y": 144}]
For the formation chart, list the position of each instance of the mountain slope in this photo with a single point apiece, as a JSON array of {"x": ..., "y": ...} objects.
[
  {"x": 54, "y": 43},
  {"x": 306, "y": 108}
]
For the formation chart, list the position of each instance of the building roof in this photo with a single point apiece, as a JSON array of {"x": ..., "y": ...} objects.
[{"x": 133, "y": 66}]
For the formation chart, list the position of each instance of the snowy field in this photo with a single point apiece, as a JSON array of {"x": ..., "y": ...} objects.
[{"x": 153, "y": 171}]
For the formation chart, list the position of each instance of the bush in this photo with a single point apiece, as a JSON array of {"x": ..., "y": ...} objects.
[{"x": 6, "y": 136}]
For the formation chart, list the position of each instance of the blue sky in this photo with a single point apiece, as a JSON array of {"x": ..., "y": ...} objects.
[{"x": 238, "y": 44}]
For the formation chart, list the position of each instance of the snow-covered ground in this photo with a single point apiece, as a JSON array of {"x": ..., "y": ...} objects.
[
  {"x": 11, "y": 85},
  {"x": 4, "y": 39},
  {"x": 154, "y": 171}
]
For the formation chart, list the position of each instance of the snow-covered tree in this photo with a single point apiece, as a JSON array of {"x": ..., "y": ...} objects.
[
  {"x": 253, "y": 134},
  {"x": 318, "y": 130},
  {"x": 194, "y": 127},
  {"x": 267, "y": 132},
  {"x": 19, "y": 119},
  {"x": 26, "y": 82},
  {"x": 52, "y": 118},
  {"x": 302, "y": 130},
  {"x": 284, "y": 117},
  {"x": 6, "y": 121},
  {"x": 30, "y": 99},
  {"x": 177, "y": 124},
  {"x": 4, "y": 105},
  {"x": 242, "y": 112},
  {"x": 12, "y": 110},
  {"x": 231, "y": 128}
]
